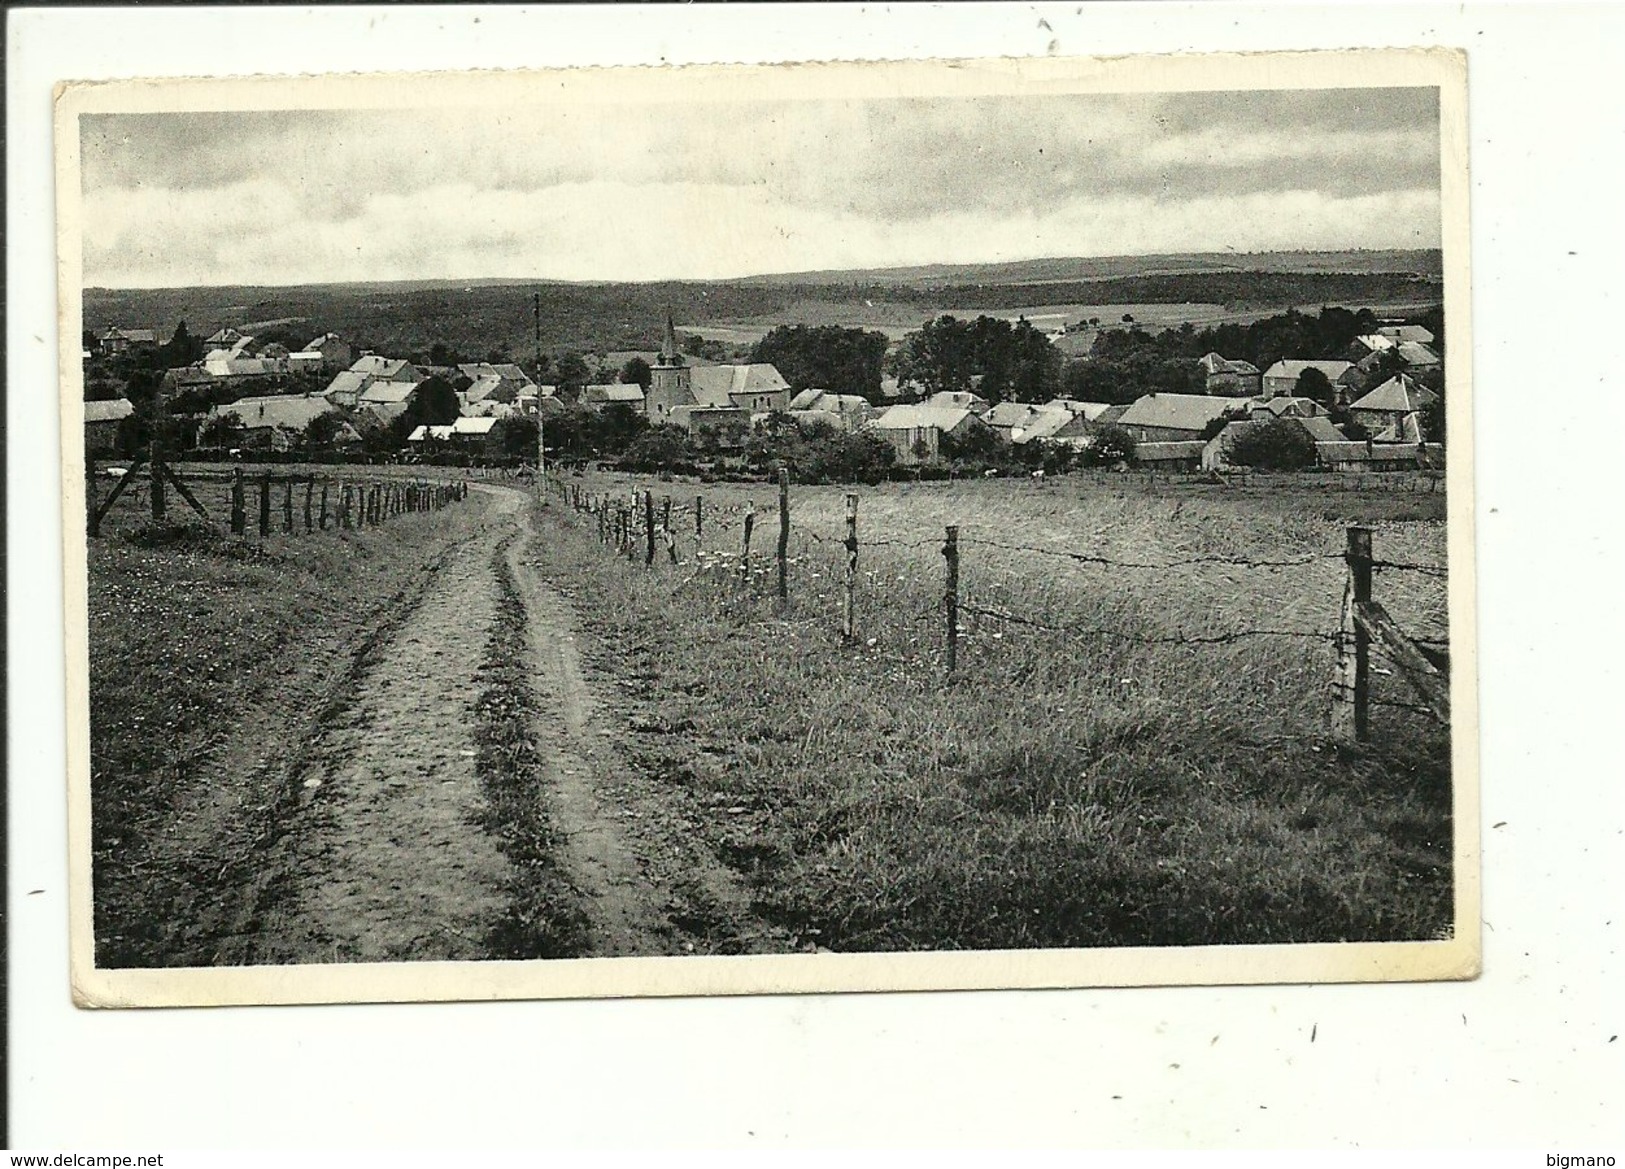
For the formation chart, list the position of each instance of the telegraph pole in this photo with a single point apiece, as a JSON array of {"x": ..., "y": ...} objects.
[{"x": 541, "y": 441}]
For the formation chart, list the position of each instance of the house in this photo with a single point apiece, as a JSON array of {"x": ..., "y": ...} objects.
[
  {"x": 346, "y": 388},
  {"x": 1172, "y": 417},
  {"x": 102, "y": 422},
  {"x": 675, "y": 382},
  {"x": 328, "y": 353},
  {"x": 916, "y": 432},
  {"x": 1216, "y": 453},
  {"x": 1230, "y": 378},
  {"x": 851, "y": 412},
  {"x": 1418, "y": 356},
  {"x": 1170, "y": 456},
  {"x": 1364, "y": 346},
  {"x": 959, "y": 400},
  {"x": 487, "y": 387},
  {"x": 1282, "y": 377},
  {"x": 491, "y": 408},
  {"x": 1090, "y": 411},
  {"x": 1009, "y": 417},
  {"x": 1397, "y": 333},
  {"x": 388, "y": 399},
  {"x": 233, "y": 366},
  {"x": 427, "y": 433},
  {"x": 1387, "y": 407},
  {"x": 387, "y": 369},
  {"x": 1048, "y": 422},
  {"x": 1372, "y": 456},
  {"x": 1287, "y": 407},
  {"x": 628, "y": 394},
  {"x": 276, "y": 422},
  {"x": 728, "y": 425},
  {"x": 226, "y": 338},
  {"x": 116, "y": 340}
]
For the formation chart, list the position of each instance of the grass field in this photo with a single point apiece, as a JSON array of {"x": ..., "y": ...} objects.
[{"x": 1087, "y": 777}]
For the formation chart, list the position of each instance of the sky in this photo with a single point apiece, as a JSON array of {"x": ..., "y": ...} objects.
[{"x": 649, "y": 192}]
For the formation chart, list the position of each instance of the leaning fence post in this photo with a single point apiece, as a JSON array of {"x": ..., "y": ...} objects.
[
  {"x": 1352, "y": 694},
  {"x": 649, "y": 525},
  {"x": 950, "y": 553},
  {"x": 239, "y": 506},
  {"x": 784, "y": 533},
  {"x": 265, "y": 503},
  {"x": 848, "y": 630}
]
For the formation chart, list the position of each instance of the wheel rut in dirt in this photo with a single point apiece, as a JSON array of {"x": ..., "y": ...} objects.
[{"x": 385, "y": 859}]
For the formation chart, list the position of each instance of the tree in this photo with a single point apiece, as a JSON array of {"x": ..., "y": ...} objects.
[
  {"x": 829, "y": 357},
  {"x": 183, "y": 348},
  {"x": 659, "y": 448},
  {"x": 1112, "y": 445},
  {"x": 442, "y": 354},
  {"x": 636, "y": 372},
  {"x": 1279, "y": 445},
  {"x": 1432, "y": 418},
  {"x": 1316, "y": 386},
  {"x": 512, "y": 438},
  {"x": 435, "y": 404},
  {"x": 616, "y": 427},
  {"x": 322, "y": 431},
  {"x": 1214, "y": 428},
  {"x": 572, "y": 371},
  {"x": 223, "y": 430}
]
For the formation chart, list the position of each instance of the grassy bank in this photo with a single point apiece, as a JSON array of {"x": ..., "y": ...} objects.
[
  {"x": 1090, "y": 776},
  {"x": 211, "y": 662}
]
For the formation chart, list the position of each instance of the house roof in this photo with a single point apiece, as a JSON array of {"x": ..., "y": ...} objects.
[
  {"x": 1176, "y": 411},
  {"x": 490, "y": 408},
  {"x": 1113, "y": 414},
  {"x": 439, "y": 433},
  {"x": 316, "y": 343},
  {"x": 475, "y": 426},
  {"x": 805, "y": 399},
  {"x": 388, "y": 393},
  {"x": 1007, "y": 415},
  {"x": 922, "y": 416},
  {"x": 1416, "y": 353},
  {"x": 1407, "y": 333},
  {"x": 483, "y": 387},
  {"x": 293, "y": 412},
  {"x": 717, "y": 385},
  {"x": 1321, "y": 429},
  {"x": 242, "y": 366},
  {"x": 511, "y": 372},
  {"x": 601, "y": 395},
  {"x": 1212, "y": 363},
  {"x": 1045, "y": 423},
  {"x": 1399, "y": 394},
  {"x": 348, "y": 381},
  {"x": 223, "y": 338},
  {"x": 1307, "y": 407},
  {"x": 384, "y": 367},
  {"x": 1090, "y": 410},
  {"x": 114, "y": 410},
  {"x": 1294, "y": 369},
  {"x": 960, "y": 399},
  {"x": 308, "y": 355}
]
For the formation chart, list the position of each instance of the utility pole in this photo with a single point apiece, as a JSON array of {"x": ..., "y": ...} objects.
[{"x": 541, "y": 441}]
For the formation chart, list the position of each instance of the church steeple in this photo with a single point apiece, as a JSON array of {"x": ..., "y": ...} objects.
[{"x": 668, "y": 345}]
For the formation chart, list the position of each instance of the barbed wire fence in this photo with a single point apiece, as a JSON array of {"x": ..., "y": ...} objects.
[{"x": 765, "y": 546}]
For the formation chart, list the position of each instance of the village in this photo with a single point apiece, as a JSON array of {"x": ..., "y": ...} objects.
[{"x": 1375, "y": 407}]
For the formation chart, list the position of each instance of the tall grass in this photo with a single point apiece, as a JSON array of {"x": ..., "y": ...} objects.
[{"x": 1063, "y": 789}]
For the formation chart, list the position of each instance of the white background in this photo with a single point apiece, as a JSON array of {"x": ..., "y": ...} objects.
[{"x": 1524, "y": 1057}]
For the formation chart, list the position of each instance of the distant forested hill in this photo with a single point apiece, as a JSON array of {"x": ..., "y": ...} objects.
[{"x": 478, "y": 318}]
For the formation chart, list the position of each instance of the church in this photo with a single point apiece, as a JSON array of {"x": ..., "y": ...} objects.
[{"x": 697, "y": 396}]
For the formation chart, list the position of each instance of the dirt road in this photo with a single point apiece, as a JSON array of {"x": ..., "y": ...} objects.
[{"x": 397, "y": 848}]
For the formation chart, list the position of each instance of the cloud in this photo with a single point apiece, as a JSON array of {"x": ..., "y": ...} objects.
[{"x": 632, "y": 191}]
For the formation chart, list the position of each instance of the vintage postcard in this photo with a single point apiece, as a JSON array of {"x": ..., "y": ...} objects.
[{"x": 833, "y": 527}]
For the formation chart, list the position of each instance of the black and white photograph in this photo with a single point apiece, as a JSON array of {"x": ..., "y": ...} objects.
[{"x": 736, "y": 530}]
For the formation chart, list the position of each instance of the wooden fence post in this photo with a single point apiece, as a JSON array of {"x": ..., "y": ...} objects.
[
  {"x": 265, "y": 503},
  {"x": 155, "y": 460},
  {"x": 93, "y": 523},
  {"x": 784, "y": 533},
  {"x": 344, "y": 506},
  {"x": 1352, "y": 693},
  {"x": 310, "y": 492},
  {"x": 744, "y": 559},
  {"x": 950, "y": 553},
  {"x": 848, "y": 629},
  {"x": 287, "y": 504},
  {"x": 649, "y": 526},
  {"x": 321, "y": 522},
  {"x": 239, "y": 505}
]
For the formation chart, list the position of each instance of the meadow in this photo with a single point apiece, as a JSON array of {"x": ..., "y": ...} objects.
[{"x": 1133, "y": 749}]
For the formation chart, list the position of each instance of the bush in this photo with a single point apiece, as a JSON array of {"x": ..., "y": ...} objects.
[
  {"x": 1112, "y": 445},
  {"x": 1280, "y": 445}
]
